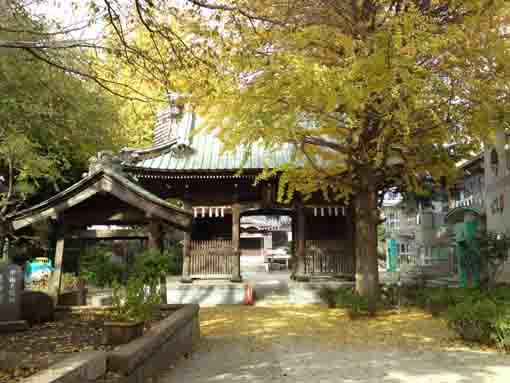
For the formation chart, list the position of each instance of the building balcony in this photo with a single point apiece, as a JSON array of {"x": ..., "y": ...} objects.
[{"x": 475, "y": 201}]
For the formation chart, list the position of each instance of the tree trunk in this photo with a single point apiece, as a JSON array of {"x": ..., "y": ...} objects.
[{"x": 367, "y": 270}]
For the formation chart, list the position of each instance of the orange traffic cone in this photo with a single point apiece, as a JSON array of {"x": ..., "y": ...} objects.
[{"x": 249, "y": 298}]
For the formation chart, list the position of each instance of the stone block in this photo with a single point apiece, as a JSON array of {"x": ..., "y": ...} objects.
[
  {"x": 8, "y": 360},
  {"x": 13, "y": 326},
  {"x": 100, "y": 298},
  {"x": 36, "y": 307},
  {"x": 83, "y": 367}
]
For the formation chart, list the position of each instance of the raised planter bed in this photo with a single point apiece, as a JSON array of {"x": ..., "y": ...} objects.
[
  {"x": 121, "y": 332},
  {"x": 79, "y": 330},
  {"x": 73, "y": 298},
  {"x": 165, "y": 342}
]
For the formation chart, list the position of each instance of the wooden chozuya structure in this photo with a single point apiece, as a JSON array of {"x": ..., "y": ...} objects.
[
  {"x": 133, "y": 191},
  {"x": 106, "y": 196}
]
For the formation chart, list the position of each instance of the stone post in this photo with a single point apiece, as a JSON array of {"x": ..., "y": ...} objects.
[
  {"x": 236, "y": 235},
  {"x": 186, "y": 250}
]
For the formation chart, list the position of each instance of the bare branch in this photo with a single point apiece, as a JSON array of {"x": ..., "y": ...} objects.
[{"x": 98, "y": 80}]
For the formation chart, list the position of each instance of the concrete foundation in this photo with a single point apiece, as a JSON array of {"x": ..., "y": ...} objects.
[
  {"x": 206, "y": 293},
  {"x": 303, "y": 293}
]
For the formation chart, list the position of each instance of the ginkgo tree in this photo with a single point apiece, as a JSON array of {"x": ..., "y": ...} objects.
[{"x": 374, "y": 94}]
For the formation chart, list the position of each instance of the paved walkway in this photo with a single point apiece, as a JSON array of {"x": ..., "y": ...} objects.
[{"x": 312, "y": 344}]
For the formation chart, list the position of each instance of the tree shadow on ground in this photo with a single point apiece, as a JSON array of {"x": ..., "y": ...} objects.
[{"x": 312, "y": 344}]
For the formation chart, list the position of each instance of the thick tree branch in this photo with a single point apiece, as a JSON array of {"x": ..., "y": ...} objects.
[{"x": 317, "y": 141}]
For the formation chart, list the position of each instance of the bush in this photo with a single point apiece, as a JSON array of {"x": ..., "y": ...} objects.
[
  {"x": 435, "y": 299},
  {"x": 98, "y": 268},
  {"x": 152, "y": 264},
  {"x": 482, "y": 317},
  {"x": 390, "y": 295},
  {"x": 137, "y": 302},
  {"x": 69, "y": 282},
  {"x": 355, "y": 304},
  {"x": 474, "y": 320},
  {"x": 413, "y": 296},
  {"x": 439, "y": 300},
  {"x": 501, "y": 335},
  {"x": 328, "y": 296}
]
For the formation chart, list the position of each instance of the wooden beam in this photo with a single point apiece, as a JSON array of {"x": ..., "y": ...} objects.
[
  {"x": 104, "y": 184},
  {"x": 55, "y": 210},
  {"x": 96, "y": 215},
  {"x": 176, "y": 217},
  {"x": 109, "y": 234}
]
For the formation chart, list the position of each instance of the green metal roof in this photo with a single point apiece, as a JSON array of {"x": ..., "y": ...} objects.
[{"x": 206, "y": 153}]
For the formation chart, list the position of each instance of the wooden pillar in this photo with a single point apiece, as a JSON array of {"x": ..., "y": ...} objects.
[
  {"x": 155, "y": 242},
  {"x": 5, "y": 249},
  {"x": 186, "y": 250},
  {"x": 294, "y": 247},
  {"x": 300, "y": 241},
  {"x": 155, "y": 236},
  {"x": 236, "y": 238},
  {"x": 56, "y": 276},
  {"x": 351, "y": 246}
]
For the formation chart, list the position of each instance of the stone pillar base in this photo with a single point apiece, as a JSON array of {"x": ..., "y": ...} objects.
[{"x": 301, "y": 277}]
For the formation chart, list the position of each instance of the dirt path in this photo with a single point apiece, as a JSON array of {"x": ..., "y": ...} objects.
[{"x": 312, "y": 344}]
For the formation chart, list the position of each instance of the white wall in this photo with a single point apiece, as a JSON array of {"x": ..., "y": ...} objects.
[{"x": 498, "y": 186}]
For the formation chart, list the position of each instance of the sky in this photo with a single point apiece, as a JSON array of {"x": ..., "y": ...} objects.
[{"x": 69, "y": 13}]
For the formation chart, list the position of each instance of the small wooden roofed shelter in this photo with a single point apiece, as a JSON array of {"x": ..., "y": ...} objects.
[
  {"x": 217, "y": 187},
  {"x": 105, "y": 196}
]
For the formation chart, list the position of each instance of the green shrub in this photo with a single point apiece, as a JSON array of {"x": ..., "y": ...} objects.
[
  {"x": 413, "y": 296},
  {"x": 436, "y": 299},
  {"x": 473, "y": 319},
  {"x": 390, "y": 295},
  {"x": 136, "y": 302},
  {"x": 500, "y": 294},
  {"x": 174, "y": 254},
  {"x": 439, "y": 300},
  {"x": 151, "y": 264},
  {"x": 98, "y": 268},
  {"x": 355, "y": 304},
  {"x": 328, "y": 296},
  {"x": 482, "y": 317},
  {"x": 69, "y": 282},
  {"x": 501, "y": 334}
]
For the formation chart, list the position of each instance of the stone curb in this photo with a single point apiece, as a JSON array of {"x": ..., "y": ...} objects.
[{"x": 83, "y": 367}]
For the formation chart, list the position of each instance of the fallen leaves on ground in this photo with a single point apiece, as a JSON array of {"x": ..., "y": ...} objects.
[
  {"x": 48, "y": 343},
  {"x": 261, "y": 326}
]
